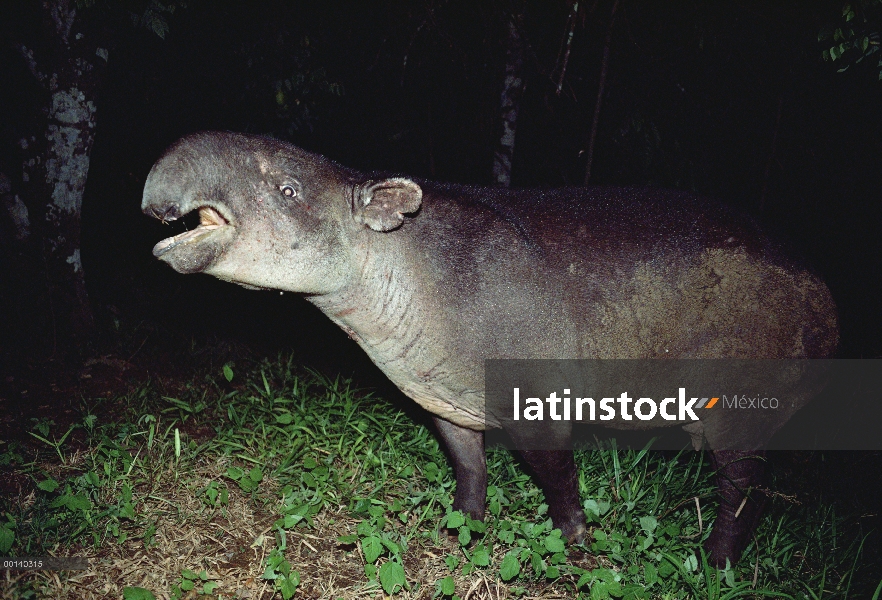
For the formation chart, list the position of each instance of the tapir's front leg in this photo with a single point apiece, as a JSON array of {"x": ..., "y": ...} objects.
[
  {"x": 548, "y": 453},
  {"x": 555, "y": 472},
  {"x": 466, "y": 448},
  {"x": 739, "y": 475}
]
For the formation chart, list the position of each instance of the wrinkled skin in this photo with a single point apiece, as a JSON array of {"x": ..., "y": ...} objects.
[{"x": 433, "y": 279}]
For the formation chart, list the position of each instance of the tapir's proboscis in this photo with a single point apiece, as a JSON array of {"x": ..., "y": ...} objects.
[{"x": 432, "y": 279}]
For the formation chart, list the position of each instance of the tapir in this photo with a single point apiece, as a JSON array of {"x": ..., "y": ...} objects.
[{"x": 432, "y": 279}]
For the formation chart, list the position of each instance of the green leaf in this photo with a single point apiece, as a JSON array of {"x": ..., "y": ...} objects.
[
  {"x": 446, "y": 586},
  {"x": 288, "y": 585},
  {"x": 553, "y": 543},
  {"x": 77, "y": 502},
  {"x": 495, "y": 509},
  {"x": 279, "y": 566},
  {"x": 7, "y": 536},
  {"x": 451, "y": 561},
  {"x": 510, "y": 566},
  {"x": 537, "y": 563},
  {"x": 235, "y": 473},
  {"x": 481, "y": 557},
  {"x": 137, "y": 593},
  {"x": 455, "y": 520},
  {"x": 648, "y": 524},
  {"x": 255, "y": 475},
  {"x": 600, "y": 591},
  {"x": 347, "y": 539},
  {"x": 666, "y": 569},
  {"x": 48, "y": 485},
  {"x": 465, "y": 536},
  {"x": 432, "y": 472},
  {"x": 291, "y": 520},
  {"x": 372, "y": 548},
  {"x": 598, "y": 507},
  {"x": 391, "y": 576},
  {"x": 691, "y": 563},
  {"x": 365, "y": 529},
  {"x": 228, "y": 372},
  {"x": 391, "y": 546},
  {"x": 476, "y": 525},
  {"x": 615, "y": 589},
  {"x": 148, "y": 536}
]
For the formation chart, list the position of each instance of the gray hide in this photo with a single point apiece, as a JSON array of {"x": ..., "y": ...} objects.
[{"x": 432, "y": 279}]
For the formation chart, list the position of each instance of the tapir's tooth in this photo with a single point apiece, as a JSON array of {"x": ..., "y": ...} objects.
[{"x": 209, "y": 216}]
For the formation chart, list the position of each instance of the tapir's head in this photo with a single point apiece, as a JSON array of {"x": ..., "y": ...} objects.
[{"x": 270, "y": 215}]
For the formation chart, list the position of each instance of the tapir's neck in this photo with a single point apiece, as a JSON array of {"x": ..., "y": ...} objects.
[
  {"x": 373, "y": 306},
  {"x": 390, "y": 310},
  {"x": 379, "y": 308}
]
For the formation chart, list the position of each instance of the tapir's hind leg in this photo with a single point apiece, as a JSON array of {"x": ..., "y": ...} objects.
[
  {"x": 739, "y": 474},
  {"x": 466, "y": 449}
]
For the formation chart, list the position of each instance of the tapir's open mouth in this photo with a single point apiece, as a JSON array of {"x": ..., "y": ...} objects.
[{"x": 210, "y": 220}]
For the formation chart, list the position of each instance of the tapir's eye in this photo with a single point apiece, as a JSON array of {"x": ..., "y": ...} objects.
[{"x": 288, "y": 190}]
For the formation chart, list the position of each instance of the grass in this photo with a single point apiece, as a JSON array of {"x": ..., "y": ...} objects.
[{"x": 270, "y": 481}]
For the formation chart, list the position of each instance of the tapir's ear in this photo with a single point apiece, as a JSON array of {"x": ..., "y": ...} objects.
[{"x": 381, "y": 205}]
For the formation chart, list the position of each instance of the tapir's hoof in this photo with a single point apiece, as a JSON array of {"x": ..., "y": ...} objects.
[
  {"x": 720, "y": 547},
  {"x": 573, "y": 527},
  {"x": 575, "y": 535}
]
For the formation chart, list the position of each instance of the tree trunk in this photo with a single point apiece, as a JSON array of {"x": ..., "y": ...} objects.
[
  {"x": 51, "y": 299},
  {"x": 510, "y": 99},
  {"x": 601, "y": 88}
]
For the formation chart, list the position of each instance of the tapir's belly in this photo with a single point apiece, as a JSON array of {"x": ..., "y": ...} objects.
[{"x": 721, "y": 304}]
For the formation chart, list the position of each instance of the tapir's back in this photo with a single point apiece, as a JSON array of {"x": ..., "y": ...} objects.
[{"x": 639, "y": 274}]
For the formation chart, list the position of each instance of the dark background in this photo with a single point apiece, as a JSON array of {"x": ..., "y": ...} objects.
[{"x": 695, "y": 95}]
